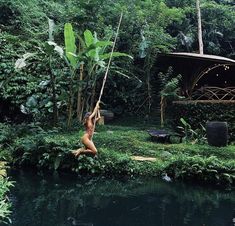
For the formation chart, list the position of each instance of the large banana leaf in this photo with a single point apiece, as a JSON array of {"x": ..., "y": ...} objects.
[
  {"x": 115, "y": 54},
  {"x": 103, "y": 43},
  {"x": 82, "y": 42},
  {"x": 89, "y": 39},
  {"x": 70, "y": 44}
]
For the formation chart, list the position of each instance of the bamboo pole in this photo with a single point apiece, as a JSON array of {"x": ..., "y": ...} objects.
[
  {"x": 110, "y": 58},
  {"x": 109, "y": 63}
]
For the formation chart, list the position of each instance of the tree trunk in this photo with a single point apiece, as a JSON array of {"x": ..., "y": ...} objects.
[
  {"x": 70, "y": 101},
  {"x": 82, "y": 109},
  {"x": 54, "y": 101},
  {"x": 70, "y": 107},
  {"x": 163, "y": 106},
  {"x": 149, "y": 92},
  {"x": 200, "y": 41},
  {"x": 55, "y": 109},
  {"x": 79, "y": 100},
  {"x": 148, "y": 65}
]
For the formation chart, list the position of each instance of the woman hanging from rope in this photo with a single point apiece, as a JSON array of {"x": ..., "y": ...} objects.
[
  {"x": 89, "y": 122},
  {"x": 90, "y": 119}
]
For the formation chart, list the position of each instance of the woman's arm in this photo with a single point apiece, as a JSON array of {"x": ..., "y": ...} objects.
[
  {"x": 98, "y": 115},
  {"x": 95, "y": 110}
]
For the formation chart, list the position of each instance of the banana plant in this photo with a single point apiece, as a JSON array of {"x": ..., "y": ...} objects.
[
  {"x": 90, "y": 59},
  {"x": 73, "y": 63}
]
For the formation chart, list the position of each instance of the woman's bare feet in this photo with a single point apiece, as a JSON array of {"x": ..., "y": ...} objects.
[{"x": 78, "y": 152}]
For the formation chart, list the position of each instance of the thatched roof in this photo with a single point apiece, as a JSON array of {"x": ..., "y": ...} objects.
[{"x": 205, "y": 57}]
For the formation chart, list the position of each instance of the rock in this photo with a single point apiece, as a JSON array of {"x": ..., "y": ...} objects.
[
  {"x": 166, "y": 154},
  {"x": 166, "y": 178}
]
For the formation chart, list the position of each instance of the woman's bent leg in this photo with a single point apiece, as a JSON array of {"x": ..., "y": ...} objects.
[{"x": 90, "y": 147}]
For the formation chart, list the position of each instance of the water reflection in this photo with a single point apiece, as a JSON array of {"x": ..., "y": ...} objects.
[{"x": 65, "y": 200}]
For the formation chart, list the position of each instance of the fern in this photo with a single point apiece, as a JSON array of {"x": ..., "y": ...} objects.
[{"x": 169, "y": 90}]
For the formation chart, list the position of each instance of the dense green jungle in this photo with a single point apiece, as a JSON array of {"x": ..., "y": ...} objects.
[
  {"x": 148, "y": 28},
  {"x": 53, "y": 59}
]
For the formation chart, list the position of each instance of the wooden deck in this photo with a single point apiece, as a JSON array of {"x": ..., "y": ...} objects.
[{"x": 204, "y": 101}]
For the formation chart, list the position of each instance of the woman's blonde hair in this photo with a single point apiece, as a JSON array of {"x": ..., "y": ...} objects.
[{"x": 86, "y": 116}]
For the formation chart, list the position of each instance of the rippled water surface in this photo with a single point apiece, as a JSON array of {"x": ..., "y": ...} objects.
[{"x": 53, "y": 200}]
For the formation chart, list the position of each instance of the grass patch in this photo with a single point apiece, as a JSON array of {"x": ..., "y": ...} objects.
[{"x": 116, "y": 145}]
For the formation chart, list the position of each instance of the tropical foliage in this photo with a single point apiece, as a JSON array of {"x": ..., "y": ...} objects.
[
  {"x": 49, "y": 86},
  {"x": 5, "y": 186},
  {"x": 53, "y": 57}
]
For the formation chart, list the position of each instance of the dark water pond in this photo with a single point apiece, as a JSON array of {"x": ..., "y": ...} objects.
[{"x": 65, "y": 200}]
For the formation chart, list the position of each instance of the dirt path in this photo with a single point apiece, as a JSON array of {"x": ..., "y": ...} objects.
[{"x": 142, "y": 158}]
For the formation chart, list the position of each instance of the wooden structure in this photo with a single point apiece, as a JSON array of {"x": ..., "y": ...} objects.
[
  {"x": 214, "y": 93},
  {"x": 204, "y": 77}
]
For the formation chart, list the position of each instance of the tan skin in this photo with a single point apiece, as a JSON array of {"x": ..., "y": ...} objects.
[{"x": 89, "y": 122}]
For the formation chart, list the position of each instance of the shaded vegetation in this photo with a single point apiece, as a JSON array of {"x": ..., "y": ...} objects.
[{"x": 199, "y": 113}]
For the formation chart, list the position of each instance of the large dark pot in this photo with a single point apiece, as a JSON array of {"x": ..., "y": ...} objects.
[{"x": 217, "y": 133}]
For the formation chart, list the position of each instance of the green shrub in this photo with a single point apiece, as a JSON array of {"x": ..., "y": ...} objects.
[
  {"x": 200, "y": 113},
  {"x": 197, "y": 168},
  {"x": 5, "y": 185}
]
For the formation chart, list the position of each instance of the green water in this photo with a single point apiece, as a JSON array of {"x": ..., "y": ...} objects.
[{"x": 64, "y": 200}]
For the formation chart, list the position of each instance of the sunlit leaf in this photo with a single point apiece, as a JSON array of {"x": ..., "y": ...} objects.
[
  {"x": 59, "y": 50},
  {"x": 103, "y": 43},
  {"x": 70, "y": 45},
  {"x": 89, "y": 39},
  {"x": 21, "y": 62},
  {"x": 51, "y": 24}
]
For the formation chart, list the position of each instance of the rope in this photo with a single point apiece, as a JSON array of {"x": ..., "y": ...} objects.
[
  {"x": 108, "y": 66},
  {"x": 110, "y": 58}
]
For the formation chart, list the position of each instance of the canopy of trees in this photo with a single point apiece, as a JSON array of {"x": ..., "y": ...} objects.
[{"x": 149, "y": 27}]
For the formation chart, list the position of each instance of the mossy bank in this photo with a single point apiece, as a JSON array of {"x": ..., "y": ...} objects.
[{"x": 33, "y": 147}]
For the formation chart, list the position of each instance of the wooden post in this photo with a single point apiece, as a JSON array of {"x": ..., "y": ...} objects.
[{"x": 200, "y": 41}]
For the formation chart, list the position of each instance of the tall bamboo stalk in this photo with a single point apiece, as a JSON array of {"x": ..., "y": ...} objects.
[{"x": 200, "y": 41}]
